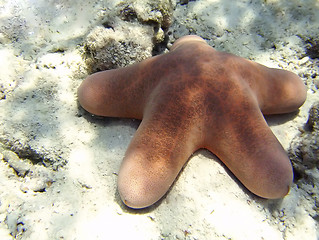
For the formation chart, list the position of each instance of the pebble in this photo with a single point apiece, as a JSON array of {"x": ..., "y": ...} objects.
[
  {"x": 36, "y": 185},
  {"x": 303, "y": 60}
]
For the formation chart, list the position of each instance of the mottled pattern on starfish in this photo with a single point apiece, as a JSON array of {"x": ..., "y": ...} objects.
[{"x": 196, "y": 97}]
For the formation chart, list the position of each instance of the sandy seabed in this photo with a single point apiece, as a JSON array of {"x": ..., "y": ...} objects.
[{"x": 59, "y": 164}]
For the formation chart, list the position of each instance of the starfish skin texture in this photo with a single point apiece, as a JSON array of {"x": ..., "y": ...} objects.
[{"x": 191, "y": 98}]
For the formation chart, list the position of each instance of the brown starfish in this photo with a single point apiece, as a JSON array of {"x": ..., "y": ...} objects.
[{"x": 196, "y": 97}]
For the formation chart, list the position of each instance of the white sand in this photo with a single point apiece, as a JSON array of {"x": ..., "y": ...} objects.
[{"x": 73, "y": 195}]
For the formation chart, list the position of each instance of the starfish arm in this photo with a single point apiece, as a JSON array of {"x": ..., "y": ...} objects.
[
  {"x": 112, "y": 93},
  {"x": 246, "y": 145},
  {"x": 278, "y": 91},
  {"x": 284, "y": 92},
  {"x": 166, "y": 138},
  {"x": 152, "y": 162}
]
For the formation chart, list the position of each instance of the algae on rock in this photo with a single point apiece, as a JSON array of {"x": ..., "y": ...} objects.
[{"x": 129, "y": 36}]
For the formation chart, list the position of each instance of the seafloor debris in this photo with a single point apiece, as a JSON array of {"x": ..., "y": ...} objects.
[
  {"x": 304, "y": 154},
  {"x": 304, "y": 150},
  {"x": 21, "y": 167},
  {"x": 33, "y": 177}
]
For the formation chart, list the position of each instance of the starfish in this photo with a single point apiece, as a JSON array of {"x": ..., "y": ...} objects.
[{"x": 196, "y": 97}]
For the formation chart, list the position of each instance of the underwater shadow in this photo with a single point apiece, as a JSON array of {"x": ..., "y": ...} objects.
[
  {"x": 107, "y": 121},
  {"x": 278, "y": 119}
]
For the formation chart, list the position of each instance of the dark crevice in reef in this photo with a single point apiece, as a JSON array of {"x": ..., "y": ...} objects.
[
  {"x": 108, "y": 25},
  {"x": 184, "y": 2},
  {"x": 3, "y": 92},
  {"x": 160, "y": 47},
  {"x": 128, "y": 13},
  {"x": 312, "y": 48}
]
